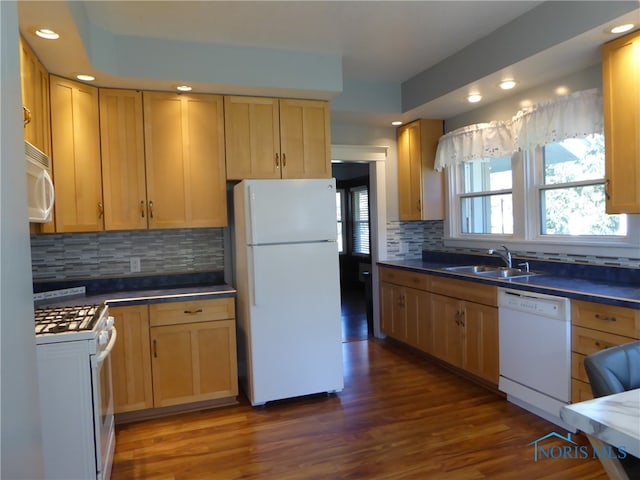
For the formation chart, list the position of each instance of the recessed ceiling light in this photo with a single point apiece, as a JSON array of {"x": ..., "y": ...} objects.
[
  {"x": 396, "y": 123},
  {"x": 622, "y": 28},
  {"x": 507, "y": 84},
  {"x": 474, "y": 98},
  {"x": 183, "y": 88},
  {"x": 562, "y": 90},
  {"x": 85, "y": 78},
  {"x": 47, "y": 34}
]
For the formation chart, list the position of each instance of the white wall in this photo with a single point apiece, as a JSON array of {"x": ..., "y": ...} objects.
[
  {"x": 19, "y": 410},
  {"x": 505, "y": 109},
  {"x": 353, "y": 134}
]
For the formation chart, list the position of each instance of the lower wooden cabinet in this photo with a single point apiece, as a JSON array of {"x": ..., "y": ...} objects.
[
  {"x": 595, "y": 327},
  {"x": 174, "y": 353},
  {"x": 193, "y": 362},
  {"x": 131, "y": 360},
  {"x": 427, "y": 312},
  {"x": 466, "y": 335}
]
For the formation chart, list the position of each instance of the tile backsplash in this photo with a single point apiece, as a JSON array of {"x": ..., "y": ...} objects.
[
  {"x": 108, "y": 254},
  {"x": 429, "y": 236}
]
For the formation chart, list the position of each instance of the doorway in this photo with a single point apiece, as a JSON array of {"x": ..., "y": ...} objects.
[{"x": 354, "y": 242}]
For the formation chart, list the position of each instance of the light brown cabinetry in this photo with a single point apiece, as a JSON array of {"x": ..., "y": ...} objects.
[
  {"x": 122, "y": 151},
  {"x": 420, "y": 188},
  {"x": 466, "y": 332},
  {"x": 277, "y": 138},
  {"x": 131, "y": 359},
  {"x": 184, "y": 150},
  {"x": 621, "y": 96},
  {"x": 597, "y": 326},
  {"x": 75, "y": 141},
  {"x": 453, "y": 320},
  {"x": 193, "y": 351},
  {"x": 35, "y": 99}
]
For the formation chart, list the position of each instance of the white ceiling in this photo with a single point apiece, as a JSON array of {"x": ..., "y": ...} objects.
[{"x": 387, "y": 42}]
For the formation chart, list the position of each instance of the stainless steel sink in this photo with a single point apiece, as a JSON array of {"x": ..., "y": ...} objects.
[
  {"x": 506, "y": 273},
  {"x": 472, "y": 269},
  {"x": 490, "y": 271}
]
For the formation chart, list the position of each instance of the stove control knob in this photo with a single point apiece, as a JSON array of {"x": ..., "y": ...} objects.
[
  {"x": 109, "y": 322},
  {"x": 103, "y": 338}
]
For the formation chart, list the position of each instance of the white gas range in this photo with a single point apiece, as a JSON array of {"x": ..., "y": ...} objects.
[{"x": 76, "y": 398}]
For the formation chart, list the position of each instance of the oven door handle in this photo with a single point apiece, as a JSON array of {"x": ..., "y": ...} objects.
[{"x": 112, "y": 341}]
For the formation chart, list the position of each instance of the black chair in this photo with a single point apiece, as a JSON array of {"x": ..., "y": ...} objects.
[{"x": 615, "y": 370}]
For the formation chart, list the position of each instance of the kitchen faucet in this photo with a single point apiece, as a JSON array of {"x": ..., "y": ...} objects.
[{"x": 506, "y": 256}]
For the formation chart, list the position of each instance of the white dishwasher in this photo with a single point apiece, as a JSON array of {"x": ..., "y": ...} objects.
[{"x": 535, "y": 352}]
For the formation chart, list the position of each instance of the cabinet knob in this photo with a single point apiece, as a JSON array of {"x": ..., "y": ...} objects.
[
  {"x": 607, "y": 318},
  {"x": 151, "y": 209},
  {"x": 155, "y": 349},
  {"x": 606, "y": 189},
  {"x": 142, "y": 208},
  {"x": 100, "y": 210},
  {"x": 193, "y": 312},
  {"x": 277, "y": 160},
  {"x": 284, "y": 160}
]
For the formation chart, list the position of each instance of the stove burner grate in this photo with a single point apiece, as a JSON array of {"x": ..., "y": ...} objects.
[{"x": 67, "y": 319}]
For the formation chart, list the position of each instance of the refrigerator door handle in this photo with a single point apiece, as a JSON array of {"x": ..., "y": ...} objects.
[
  {"x": 252, "y": 226},
  {"x": 252, "y": 277}
]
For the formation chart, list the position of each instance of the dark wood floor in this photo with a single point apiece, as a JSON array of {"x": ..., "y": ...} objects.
[
  {"x": 353, "y": 315},
  {"x": 399, "y": 417}
]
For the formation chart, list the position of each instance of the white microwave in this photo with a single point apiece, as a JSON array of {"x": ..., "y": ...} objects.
[{"x": 40, "y": 195}]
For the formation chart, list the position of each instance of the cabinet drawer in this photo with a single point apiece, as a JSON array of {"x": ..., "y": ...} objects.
[
  {"x": 580, "y": 391},
  {"x": 577, "y": 367},
  {"x": 175, "y": 313},
  {"x": 607, "y": 318},
  {"x": 470, "y": 291},
  {"x": 588, "y": 341},
  {"x": 405, "y": 278}
]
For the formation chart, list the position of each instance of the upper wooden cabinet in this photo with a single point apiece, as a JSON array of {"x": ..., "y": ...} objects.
[
  {"x": 621, "y": 95},
  {"x": 271, "y": 138},
  {"x": 184, "y": 150},
  {"x": 75, "y": 140},
  {"x": 420, "y": 188},
  {"x": 123, "y": 171},
  {"x": 35, "y": 99}
]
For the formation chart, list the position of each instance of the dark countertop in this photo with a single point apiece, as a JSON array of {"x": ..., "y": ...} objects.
[
  {"x": 120, "y": 292},
  {"x": 141, "y": 297},
  {"x": 621, "y": 294}
]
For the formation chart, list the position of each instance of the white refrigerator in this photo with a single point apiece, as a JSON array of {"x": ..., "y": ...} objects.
[{"x": 288, "y": 283}]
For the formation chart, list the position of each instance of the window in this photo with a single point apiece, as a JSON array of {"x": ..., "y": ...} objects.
[
  {"x": 340, "y": 216},
  {"x": 485, "y": 200},
  {"x": 360, "y": 220},
  {"x": 550, "y": 191},
  {"x": 571, "y": 190}
]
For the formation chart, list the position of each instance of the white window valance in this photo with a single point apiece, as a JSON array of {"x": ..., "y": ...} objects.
[
  {"x": 474, "y": 142},
  {"x": 574, "y": 116}
]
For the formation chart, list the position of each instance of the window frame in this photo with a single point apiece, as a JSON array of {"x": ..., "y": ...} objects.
[{"x": 527, "y": 219}]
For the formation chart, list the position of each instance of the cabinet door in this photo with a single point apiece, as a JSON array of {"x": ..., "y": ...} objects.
[
  {"x": 409, "y": 172},
  {"x": 387, "y": 307},
  {"x": 131, "y": 359},
  {"x": 305, "y": 137},
  {"x": 184, "y": 153},
  {"x": 35, "y": 97},
  {"x": 417, "y": 315},
  {"x": 252, "y": 137},
  {"x": 420, "y": 188},
  {"x": 122, "y": 148},
  {"x": 480, "y": 323},
  {"x": 621, "y": 98},
  {"x": 75, "y": 136},
  {"x": 446, "y": 314},
  {"x": 193, "y": 362}
]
